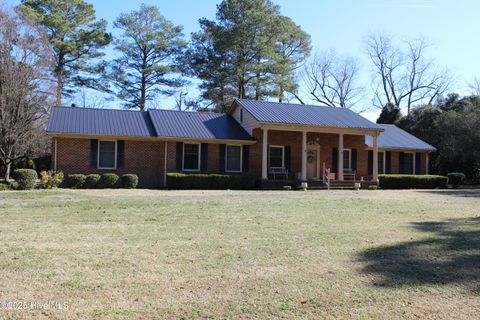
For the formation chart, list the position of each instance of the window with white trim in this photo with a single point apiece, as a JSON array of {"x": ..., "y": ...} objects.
[
  {"x": 381, "y": 162},
  {"x": 277, "y": 156},
  {"x": 191, "y": 156},
  {"x": 347, "y": 159},
  {"x": 233, "y": 158},
  {"x": 107, "y": 154}
]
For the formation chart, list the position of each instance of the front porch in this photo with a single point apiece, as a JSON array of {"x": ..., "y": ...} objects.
[{"x": 315, "y": 156}]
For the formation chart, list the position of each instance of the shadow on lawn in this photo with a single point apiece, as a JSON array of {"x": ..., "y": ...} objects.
[{"x": 450, "y": 256}]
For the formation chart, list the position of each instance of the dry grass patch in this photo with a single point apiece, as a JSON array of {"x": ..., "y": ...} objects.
[{"x": 123, "y": 254}]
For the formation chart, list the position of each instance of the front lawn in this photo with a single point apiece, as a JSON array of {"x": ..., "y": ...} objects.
[{"x": 143, "y": 254}]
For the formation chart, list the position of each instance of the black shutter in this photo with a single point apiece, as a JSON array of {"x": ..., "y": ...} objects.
[
  {"x": 221, "y": 157},
  {"x": 93, "y": 153},
  {"x": 370, "y": 162},
  {"x": 179, "y": 157},
  {"x": 204, "y": 157},
  {"x": 418, "y": 163},
  {"x": 354, "y": 159},
  {"x": 287, "y": 157},
  {"x": 120, "y": 154},
  {"x": 388, "y": 164},
  {"x": 335, "y": 160},
  {"x": 245, "y": 158},
  {"x": 401, "y": 163}
]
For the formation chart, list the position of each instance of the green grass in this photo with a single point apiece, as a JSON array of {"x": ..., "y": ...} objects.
[{"x": 143, "y": 254}]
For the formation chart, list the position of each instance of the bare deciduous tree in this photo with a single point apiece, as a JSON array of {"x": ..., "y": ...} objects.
[
  {"x": 405, "y": 76},
  {"x": 474, "y": 87},
  {"x": 332, "y": 80},
  {"x": 23, "y": 66}
]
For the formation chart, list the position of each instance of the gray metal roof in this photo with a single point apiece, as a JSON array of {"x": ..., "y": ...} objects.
[
  {"x": 395, "y": 138},
  {"x": 152, "y": 123},
  {"x": 197, "y": 125},
  {"x": 108, "y": 122},
  {"x": 301, "y": 114}
]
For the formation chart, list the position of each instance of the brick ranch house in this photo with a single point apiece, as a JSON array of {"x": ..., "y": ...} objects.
[{"x": 268, "y": 140}]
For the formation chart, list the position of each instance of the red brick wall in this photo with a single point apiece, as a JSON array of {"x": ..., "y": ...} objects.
[
  {"x": 146, "y": 158},
  {"x": 143, "y": 158}
]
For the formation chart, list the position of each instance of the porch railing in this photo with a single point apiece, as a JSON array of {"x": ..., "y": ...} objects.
[{"x": 326, "y": 176}]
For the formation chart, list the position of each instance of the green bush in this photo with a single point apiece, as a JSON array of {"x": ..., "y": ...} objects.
[
  {"x": 91, "y": 182},
  {"x": 456, "y": 179},
  {"x": 25, "y": 178},
  {"x": 406, "y": 181},
  {"x": 51, "y": 179},
  {"x": 76, "y": 181},
  {"x": 210, "y": 181},
  {"x": 4, "y": 186},
  {"x": 129, "y": 181},
  {"x": 108, "y": 180},
  {"x": 13, "y": 185}
]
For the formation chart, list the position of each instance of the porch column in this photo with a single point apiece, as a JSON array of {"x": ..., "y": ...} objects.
[
  {"x": 304, "y": 156},
  {"x": 340, "y": 156},
  {"x": 264, "y": 154},
  {"x": 426, "y": 162},
  {"x": 375, "y": 157}
]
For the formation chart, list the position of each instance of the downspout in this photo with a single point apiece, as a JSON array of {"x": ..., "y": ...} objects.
[
  {"x": 55, "y": 154},
  {"x": 165, "y": 165}
]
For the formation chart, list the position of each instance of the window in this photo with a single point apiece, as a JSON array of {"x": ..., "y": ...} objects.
[
  {"x": 233, "y": 158},
  {"x": 191, "y": 157},
  {"x": 381, "y": 163},
  {"x": 408, "y": 166},
  {"x": 347, "y": 159},
  {"x": 241, "y": 115},
  {"x": 277, "y": 157},
  {"x": 107, "y": 154}
]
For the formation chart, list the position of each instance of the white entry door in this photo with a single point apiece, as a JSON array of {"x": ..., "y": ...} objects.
[{"x": 313, "y": 162}]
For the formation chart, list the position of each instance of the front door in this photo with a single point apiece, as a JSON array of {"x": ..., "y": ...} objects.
[{"x": 313, "y": 163}]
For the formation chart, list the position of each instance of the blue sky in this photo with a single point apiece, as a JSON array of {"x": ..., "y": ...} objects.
[{"x": 453, "y": 26}]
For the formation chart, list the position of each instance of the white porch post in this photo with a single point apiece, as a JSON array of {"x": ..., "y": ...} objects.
[
  {"x": 264, "y": 154},
  {"x": 375, "y": 157},
  {"x": 426, "y": 162},
  {"x": 304, "y": 156},
  {"x": 340, "y": 156}
]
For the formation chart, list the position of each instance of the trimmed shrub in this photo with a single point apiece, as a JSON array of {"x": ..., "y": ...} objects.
[
  {"x": 210, "y": 181},
  {"x": 406, "y": 181},
  {"x": 91, "y": 182},
  {"x": 456, "y": 179},
  {"x": 76, "y": 181},
  {"x": 25, "y": 178},
  {"x": 51, "y": 179},
  {"x": 129, "y": 181},
  {"x": 108, "y": 180},
  {"x": 13, "y": 185},
  {"x": 4, "y": 186}
]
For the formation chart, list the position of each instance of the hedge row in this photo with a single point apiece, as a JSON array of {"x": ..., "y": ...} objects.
[
  {"x": 106, "y": 180},
  {"x": 405, "y": 181},
  {"x": 210, "y": 181}
]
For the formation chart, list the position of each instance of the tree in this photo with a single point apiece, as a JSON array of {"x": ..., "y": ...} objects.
[
  {"x": 249, "y": 51},
  {"x": 149, "y": 48},
  {"x": 77, "y": 38},
  {"x": 474, "y": 87},
  {"x": 390, "y": 114},
  {"x": 404, "y": 76},
  {"x": 332, "y": 80},
  {"x": 24, "y": 63}
]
